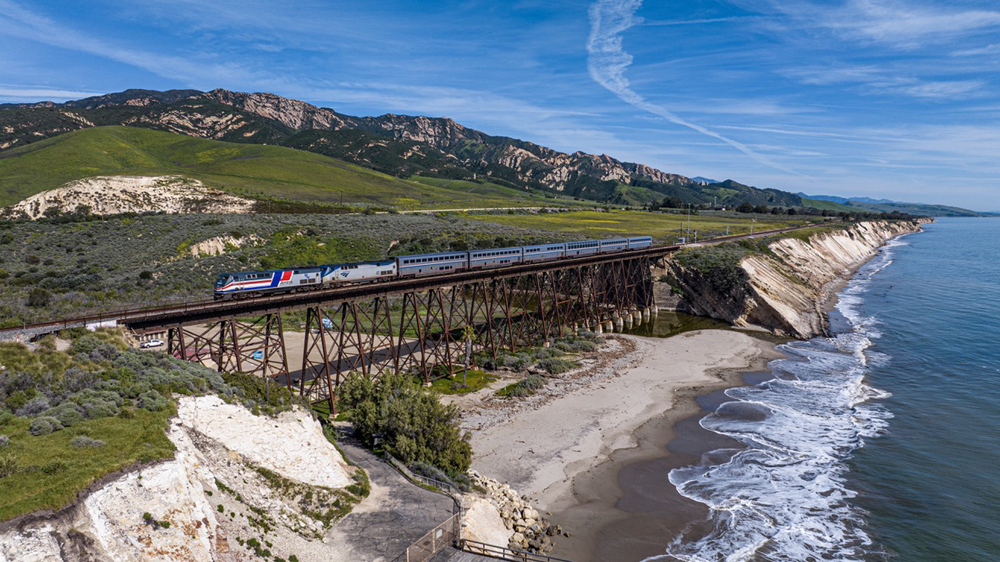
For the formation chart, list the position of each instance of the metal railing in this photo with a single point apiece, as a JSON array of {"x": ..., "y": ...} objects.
[
  {"x": 504, "y": 553},
  {"x": 436, "y": 540},
  {"x": 445, "y": 487}
]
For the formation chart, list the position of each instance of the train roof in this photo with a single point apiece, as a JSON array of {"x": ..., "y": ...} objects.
[{"x": 310, "y": 267}]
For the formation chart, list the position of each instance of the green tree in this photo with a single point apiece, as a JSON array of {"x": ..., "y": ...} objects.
[{"x": 410, "y": 421}]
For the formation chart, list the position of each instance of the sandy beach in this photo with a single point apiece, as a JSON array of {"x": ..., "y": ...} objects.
[{"x": 584, "y": 455}]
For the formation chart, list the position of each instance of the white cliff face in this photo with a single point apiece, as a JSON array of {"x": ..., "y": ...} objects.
[
  {"x": 234, "y": 477},
  {"x": 785, "y": 293},
  {"x": 110, "y": 195},
  {"x": 293, "y": 444}
]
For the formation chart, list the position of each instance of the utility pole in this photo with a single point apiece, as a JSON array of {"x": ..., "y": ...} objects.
[{"x": 688, "y": 235}]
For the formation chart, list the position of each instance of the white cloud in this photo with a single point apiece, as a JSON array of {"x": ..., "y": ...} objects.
[
  {"x": 607, "y": 62},
  {"x": 992, "y": 49},
  {"x": 901, "y": 24},
  {"x": 875, "y": 80},
  {"x": 16, "y": 21},
  {"x": 33, "y": 93}
]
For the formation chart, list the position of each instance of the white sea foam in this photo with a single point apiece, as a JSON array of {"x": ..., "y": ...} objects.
[{"x": 785, "y": 497}]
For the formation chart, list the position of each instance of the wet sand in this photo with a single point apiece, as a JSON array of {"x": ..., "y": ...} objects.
[{"x": 597, "y": 458}]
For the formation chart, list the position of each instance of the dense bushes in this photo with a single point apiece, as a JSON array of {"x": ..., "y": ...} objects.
[
  {"x": 99, "y": 378},
  {"x": 718, "y": 265},
  {"x": 409, "y": 422}
]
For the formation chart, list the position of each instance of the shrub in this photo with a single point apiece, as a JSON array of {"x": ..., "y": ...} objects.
[
  {"x": 522, "y": 388},
  {"x": 8, "y": 465},
  {"x": 67, "y": 413},
  {"x": 556, "y": 365},
  {"x": 516, "y": 362},
  {"x": 34, "y": 407},
  {"x": 98, "y": 403},
  {"x": 271, "y": 399},
  {"x": 44, "y": 425},
  {"x": 53, "y": 467},
  {"x": 412, "y": 423},
  {"x": 152, "y": 400},
  {"x": 84, "y": 441},
  {"x": 39, "y": 297}
]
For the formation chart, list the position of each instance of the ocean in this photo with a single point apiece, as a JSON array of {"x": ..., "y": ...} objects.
[{"x": 881, "y": 442}]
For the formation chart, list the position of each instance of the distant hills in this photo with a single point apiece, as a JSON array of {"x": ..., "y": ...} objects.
[
  {"x": 255, "y": 171},
  {"x": 401, "y": 146},
  {"x": 374, "y": 157},
  {"x": 888, "y": 206}
]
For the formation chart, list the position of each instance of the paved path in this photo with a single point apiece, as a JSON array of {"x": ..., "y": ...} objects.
[{"x": 396, "y": 514}]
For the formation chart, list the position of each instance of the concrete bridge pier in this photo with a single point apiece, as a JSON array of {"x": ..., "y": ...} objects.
[
  {"x": 645, "y": 314},
  {"x": 619, "y": 324},
  {"x": 598, "y": 329},
  {"x": 609, "y": 327}
]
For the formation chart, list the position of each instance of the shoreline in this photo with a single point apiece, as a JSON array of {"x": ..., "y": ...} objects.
[
  {"x": 626, "y": 509},
  {"x": 581, "y": 454},
  {"x": 606, "y": 483}
]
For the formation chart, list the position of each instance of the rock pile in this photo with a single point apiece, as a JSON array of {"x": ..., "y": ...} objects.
[{"x": 532, "y": 532}]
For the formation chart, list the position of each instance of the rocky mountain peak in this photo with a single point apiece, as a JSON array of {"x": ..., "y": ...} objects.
[{"x": 297, "y": 115}]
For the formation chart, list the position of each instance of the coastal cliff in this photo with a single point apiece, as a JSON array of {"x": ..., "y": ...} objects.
[{"x": 779, "y": 284}]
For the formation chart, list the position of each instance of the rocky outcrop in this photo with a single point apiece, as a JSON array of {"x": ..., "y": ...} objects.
[
  {"x": 527, "y": 529},
  {"x": 780, "y": 287},
  {"x": 112, "y": 195}
]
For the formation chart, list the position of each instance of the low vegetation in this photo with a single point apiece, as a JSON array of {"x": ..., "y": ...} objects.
[
  {"x": 522, "y": 388},
  {"x": 462, "y": 382},
  {"x": 664, "y": 227}
]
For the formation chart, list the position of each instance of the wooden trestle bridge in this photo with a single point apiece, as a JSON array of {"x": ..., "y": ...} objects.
[{"x": 422, "y": 326}]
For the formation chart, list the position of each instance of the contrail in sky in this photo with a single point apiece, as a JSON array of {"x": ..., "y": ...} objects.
[{"x": 607, "y": 62}]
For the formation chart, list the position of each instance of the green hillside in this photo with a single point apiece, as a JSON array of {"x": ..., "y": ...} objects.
[
  {"x": 824, "y": 205},
  {"x": 917, "y": 209},
  {"x": 257, "y": 171}
]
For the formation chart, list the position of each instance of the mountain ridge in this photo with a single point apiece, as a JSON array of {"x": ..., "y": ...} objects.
[
  {"x": 889, "y": 206},
  {"x": 398, "y": 145}
]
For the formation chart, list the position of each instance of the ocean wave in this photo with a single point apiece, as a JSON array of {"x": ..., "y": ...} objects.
[{"x": 784, "y": 496}]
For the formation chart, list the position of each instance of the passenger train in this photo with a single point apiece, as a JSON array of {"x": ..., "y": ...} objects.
[{"x": 256, "y": 283}]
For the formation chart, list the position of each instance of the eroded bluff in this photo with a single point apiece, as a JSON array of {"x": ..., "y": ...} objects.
[{"x": 781, "y": 284}]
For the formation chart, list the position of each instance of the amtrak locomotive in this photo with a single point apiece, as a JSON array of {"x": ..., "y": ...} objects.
[{"x": 255, "y": 283}]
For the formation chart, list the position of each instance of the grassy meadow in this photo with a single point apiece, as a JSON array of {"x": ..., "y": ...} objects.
[{"x": 663, "y": 227}]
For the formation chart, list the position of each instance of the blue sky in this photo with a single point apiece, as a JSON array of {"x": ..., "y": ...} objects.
[{"x": 881, "y": 98}]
